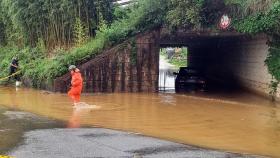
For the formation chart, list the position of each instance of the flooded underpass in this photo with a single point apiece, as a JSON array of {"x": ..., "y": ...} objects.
[{"x": 236, "y": 122}]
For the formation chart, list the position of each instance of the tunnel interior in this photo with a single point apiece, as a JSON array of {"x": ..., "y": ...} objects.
[
  {"x": 213, "y": 57},
  {"x": 228, "y": 62}
]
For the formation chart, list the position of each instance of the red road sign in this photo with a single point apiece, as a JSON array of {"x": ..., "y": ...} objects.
[{"x": 225, "y": 22}]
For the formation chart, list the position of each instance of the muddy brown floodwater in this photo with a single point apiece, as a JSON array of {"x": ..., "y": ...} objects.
[{"x": 237, "y": 122}]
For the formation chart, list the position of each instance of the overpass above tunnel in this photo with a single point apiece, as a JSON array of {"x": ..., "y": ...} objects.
[
  {"x": 194, "y": 38},
  {"x": 228, "y": 58}
]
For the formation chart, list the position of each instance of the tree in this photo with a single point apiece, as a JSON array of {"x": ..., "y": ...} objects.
[
  {"x": 79, "y": 32},
  {"x": 52, "y": 21},
  {"x": 184, "y": 13}
]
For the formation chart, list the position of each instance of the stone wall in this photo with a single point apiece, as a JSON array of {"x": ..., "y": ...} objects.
[{"x": 129, "y": 67}]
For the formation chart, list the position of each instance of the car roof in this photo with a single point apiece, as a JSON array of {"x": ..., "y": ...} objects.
[{"x": 188, "y": 70}]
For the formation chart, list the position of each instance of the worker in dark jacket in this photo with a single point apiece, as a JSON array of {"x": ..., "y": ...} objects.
[{"x": 13, "y": 68}]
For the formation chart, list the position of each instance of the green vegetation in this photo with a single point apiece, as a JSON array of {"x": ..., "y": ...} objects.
[
  {"x": 145, "y": 15},
  {"x": 50, "y": 35},
  {"x": 194, "y": 14},
  {"x": 79, "y": 32},
  {"x": 190, "y": 10},
  {"x": 53, "y": 21},
  {"x": 179, "y": 62},
  {"x": 40, "y": 33},
  {"x": 179, "y": 58}
]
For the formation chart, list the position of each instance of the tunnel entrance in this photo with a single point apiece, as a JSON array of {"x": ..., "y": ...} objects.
[{"x": 217, "y": 57}]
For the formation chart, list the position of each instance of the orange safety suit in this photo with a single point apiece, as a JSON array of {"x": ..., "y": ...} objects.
[{"x": 76, "y": 86}]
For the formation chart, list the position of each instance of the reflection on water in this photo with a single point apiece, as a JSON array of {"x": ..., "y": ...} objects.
[
  {"x": 167, "y": 79},
  {"x": 166, "y": 76},
  {"x": 236, "y": 122},
  {"x": 79, "y": 110},
  {"x": 74, "y": 120}
]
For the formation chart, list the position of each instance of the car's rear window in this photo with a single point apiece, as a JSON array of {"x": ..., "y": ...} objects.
[{"x": 186, "y": 71}]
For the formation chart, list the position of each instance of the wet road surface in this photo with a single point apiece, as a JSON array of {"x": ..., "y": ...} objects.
[
  {"x": 13, "y": 125},
  {"x": 240, "y": 122},
  {"x": 85, "y": 142}
]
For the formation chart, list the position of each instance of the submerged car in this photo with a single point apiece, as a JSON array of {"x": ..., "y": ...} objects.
[{"x": 189, "y": 79}]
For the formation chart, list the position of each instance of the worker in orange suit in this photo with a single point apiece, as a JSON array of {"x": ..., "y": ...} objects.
[{"x": 76, "y": 84}]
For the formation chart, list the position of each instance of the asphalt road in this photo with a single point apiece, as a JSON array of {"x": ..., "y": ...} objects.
[{"x": 97, "y": 142}]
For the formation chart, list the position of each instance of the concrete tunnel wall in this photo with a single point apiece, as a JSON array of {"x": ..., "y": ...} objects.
[{"x": 234, "y": 61}]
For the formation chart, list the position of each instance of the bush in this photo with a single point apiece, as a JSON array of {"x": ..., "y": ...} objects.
[{"x": 41, "y": 69}]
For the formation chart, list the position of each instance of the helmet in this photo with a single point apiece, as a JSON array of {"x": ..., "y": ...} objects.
[{"x": 71, "y": 67}]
